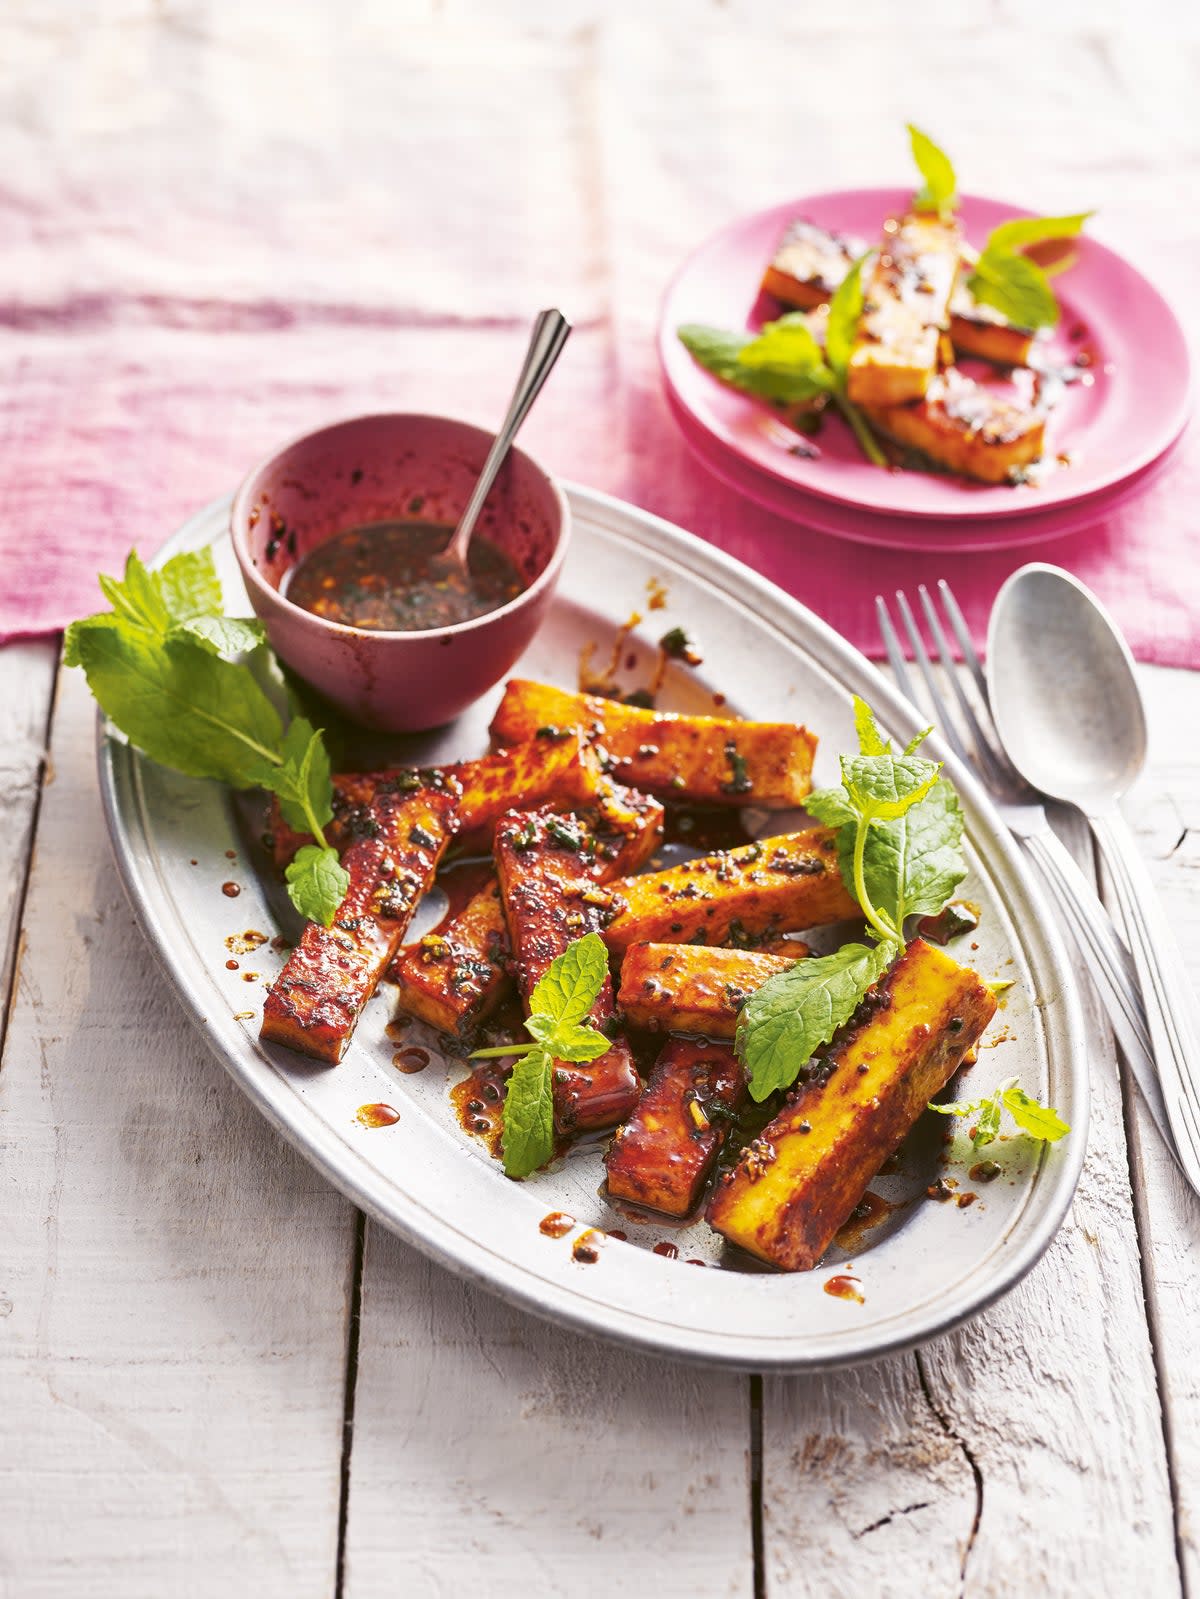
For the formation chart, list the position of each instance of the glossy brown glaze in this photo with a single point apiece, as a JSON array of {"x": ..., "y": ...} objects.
[
  {"x": 843, "y": 1286},
  {"x": 662, "y": 1157},
  {"x": 378, "y": 1115},
  {"x": 557, "y": 1224},
  {"x": 700, "y": 760},
  {"x": 798, "y": 1182},
  {"x": 688, "y": 988},
  {"x": 315, "y": 1002}
]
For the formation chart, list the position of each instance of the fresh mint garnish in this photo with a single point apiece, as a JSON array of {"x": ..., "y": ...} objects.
[
  {"x": 1012, "y": 283},
  {"x": 899, "y": 835},
  {"x": 1031, "y": 1116},
  {"x": 557, "y": 1022},
  {"x": 166, "y": 668},
  {"x": 939, "y": 188}
]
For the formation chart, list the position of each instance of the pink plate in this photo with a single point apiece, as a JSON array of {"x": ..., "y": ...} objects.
[
  {"x": 1111, "y": 428},
  {"x": 911, "y": 532}
]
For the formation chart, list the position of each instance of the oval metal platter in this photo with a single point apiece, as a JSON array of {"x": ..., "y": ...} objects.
[{"x": 923, "y": 1268}]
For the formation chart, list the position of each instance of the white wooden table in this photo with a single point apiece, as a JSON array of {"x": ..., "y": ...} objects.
[{"x": 216, "y": 1380}]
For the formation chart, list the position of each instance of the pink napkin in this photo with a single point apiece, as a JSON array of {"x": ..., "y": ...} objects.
[{"x": 203, "y": 259}]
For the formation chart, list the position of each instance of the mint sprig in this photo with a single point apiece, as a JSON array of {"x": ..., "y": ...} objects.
[
  {"x": 557, "y": 1022},
  {"x": 170, "y": 671},
  {"x": 785, "y": 362},
  {"x": 939, "y": 186},
  {"x": 1011, "y": 282},
  {"x": 899, "y": 835},
  {"x": 1040, "y": 1121}
]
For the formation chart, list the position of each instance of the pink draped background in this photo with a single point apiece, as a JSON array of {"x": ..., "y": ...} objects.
[{"x": 224, "y": 226}]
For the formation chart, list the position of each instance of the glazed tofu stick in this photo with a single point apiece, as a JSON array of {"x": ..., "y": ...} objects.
[
  {"x": 689, "y": 988},
  {"x": 704, "y": 760},
  {"x": 906, "y": 308},
  {"x": 315, "y": 1002},
  {"x": 798, "y": 1181},
  {"x": 663, "y": 1155}
]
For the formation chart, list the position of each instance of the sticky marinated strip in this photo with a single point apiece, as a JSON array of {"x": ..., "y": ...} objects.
[
  {"x": 809, "y": 265},
  {"x": 982, "y": 331},
  {"x": 663, "y": 1155},
  {"x": 797, "y": 1182},
  {"x": 455, "y": 976},
  {"x": 549, "y": 869},
  {"x": 968, "y": 428},
  {"x": 703, "y": 760},
  {"x": 906, "y": 307},
  {"x": 315, "y": 1002},
  {"x": 563, "y": 771},
  {"x": 689, "y": 988},
  {"x": 740, "y": 897}
]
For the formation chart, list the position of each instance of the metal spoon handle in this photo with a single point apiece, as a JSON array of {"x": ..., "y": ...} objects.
[
  {"x": 1170, "y": 1002},
  {"x": 1107, "y": 962},
  {"x": 550, "y": 333}
]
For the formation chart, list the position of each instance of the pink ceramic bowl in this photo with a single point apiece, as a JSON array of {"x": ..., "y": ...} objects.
[{"x": 396, "y": 468}]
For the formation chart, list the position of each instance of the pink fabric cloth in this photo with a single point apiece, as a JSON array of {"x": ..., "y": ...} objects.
[{"x": 219, "y": 236}]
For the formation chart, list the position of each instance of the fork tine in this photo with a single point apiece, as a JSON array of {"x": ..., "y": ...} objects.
[
  {"x": 996, "y": 765},
  {"x": 962, "y": 633},
  {"x": 941, "y": 709},
  {"x": 895, "y": 654}
]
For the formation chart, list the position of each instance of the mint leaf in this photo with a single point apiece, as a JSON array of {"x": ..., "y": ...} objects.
[
  {"x": 567, "y": 991},
  {"x": 720, "y": 353},
  {"x": 1016, "y": 287},
  {"x": 787, "y": 344},
  {"x": 1038, "y": 1120},
  {"x": 1021, "y": 232},
  {"x": 527, "y": 1139},
  {"x": 189, "y": 585},
  {"x": 579, "y": 1043},
  {"x": 885, "y": 786},
  {"x": 181, "y": 706},
  {"x": 227, "y": 636},
  {"x": 831, "y": 807},
  {"x": 939, "y": 190},
  {"x": 914, "y": 863},
  {"x": 303, "y": 781},
  {"x": 317, "y": 883},
  {"x": 845, "y": 309},
  {"x": 870, "y": 740},
  {"x": 792, "y": 1015},
  {"x": 137, "y": 598}
]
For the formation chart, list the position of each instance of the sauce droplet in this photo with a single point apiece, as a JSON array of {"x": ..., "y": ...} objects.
[
  {"x": 410, "y": 1060},
  {"x": 230, "y": 890},
  {"x": 231, "y": 966},
  {"x": 378, "y": 1115},
  {"x": 843, "y": 1286},
  {"x": 231, "y": 855},
  {"x": 963, "y": 1200},
  {"x": 668, "y": 1250},
  {"x": 985, "y": 1171},
  {"x": 623, "y": 1237},
  {"x": 586, "y": 1249},
  {"x": 557, "y": 1224}
]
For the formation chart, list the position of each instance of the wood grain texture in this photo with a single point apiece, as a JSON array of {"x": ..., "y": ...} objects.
[
  {"x": 173, "y": 1280},
  {"x": 494, "y": 1453},
  {"x": 937, "y": 1471},
  {"x": 1164, "y": 810},
  {"x": 26, "y": 692}
]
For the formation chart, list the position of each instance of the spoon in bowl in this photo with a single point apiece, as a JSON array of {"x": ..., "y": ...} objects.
[
  {"x": 550, "y": 332},
  {"x": 1070, "y": 715}
]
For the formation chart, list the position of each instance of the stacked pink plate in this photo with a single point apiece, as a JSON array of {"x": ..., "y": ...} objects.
[{"x": 1114, "y": 430}]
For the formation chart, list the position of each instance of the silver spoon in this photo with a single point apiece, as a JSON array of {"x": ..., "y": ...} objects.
[
  {"x": 550, "y": 333},
  {"x": 1068, "y": 709}
]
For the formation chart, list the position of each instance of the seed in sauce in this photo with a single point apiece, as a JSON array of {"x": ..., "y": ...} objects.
[
  {"x": 413, "y": 1059},
  {"x": 557, "y": 1224},
  {"x": 386, "y": 577},
  {"x": 843, "y": 1286},
  {"x": 586, "y": 1248},
  {"x": 378, "y": 1115},
  {"x": 985, "y": 1171},
  {"x": 230, "y": 890},
  {"x": 668, "y": 1250}
]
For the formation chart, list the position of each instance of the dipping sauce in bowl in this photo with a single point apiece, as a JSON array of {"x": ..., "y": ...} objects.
[{"x": 390, "y": 577}]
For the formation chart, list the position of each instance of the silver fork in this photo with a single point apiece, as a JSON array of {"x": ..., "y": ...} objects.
[{"x": 1105, "y": 955}]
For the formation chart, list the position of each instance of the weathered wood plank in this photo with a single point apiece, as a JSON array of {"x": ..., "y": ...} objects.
[
  {"x": 173, "y": 1280},
  {"x": 525, "y": 1459},
  {"x": 26, "y": 691},
  {"x": 933, "y": 1472},
  {"x": 1165, "y": 812}
]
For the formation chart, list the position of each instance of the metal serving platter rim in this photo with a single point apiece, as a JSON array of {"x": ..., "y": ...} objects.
[{"x": 571, "y": 1303}]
